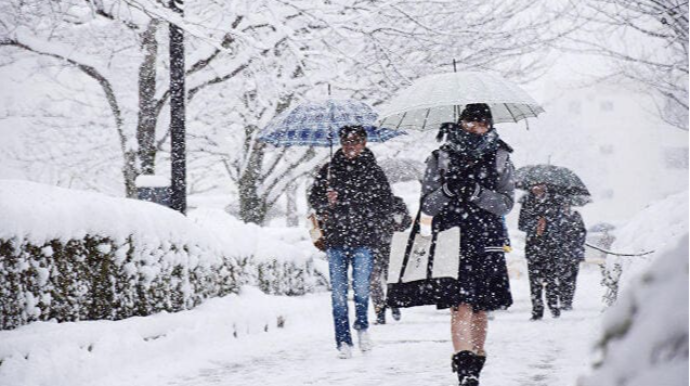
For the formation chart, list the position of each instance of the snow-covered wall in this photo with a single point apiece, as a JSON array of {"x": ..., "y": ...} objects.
[{"x": 71, "y": 255}]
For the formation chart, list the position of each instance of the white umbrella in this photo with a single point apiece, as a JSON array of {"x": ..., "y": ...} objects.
[{"x": 439, "y": 98}]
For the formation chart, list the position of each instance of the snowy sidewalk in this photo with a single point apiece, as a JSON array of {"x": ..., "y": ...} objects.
[
  {"x": 416, "y": 350},
  {"x": 235, "y": 341}
]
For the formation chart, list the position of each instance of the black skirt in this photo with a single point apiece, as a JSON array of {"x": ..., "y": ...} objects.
[{"x": 482, "y": 283}]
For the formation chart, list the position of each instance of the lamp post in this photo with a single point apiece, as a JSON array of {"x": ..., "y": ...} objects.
[{"x": 178, "y": 185}]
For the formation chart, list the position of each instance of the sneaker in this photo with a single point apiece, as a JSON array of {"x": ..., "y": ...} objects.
[
  {"x": 396, "y": 313},
  {"x": 365, "y": 343},
  {"x": 345, "y": 351}
]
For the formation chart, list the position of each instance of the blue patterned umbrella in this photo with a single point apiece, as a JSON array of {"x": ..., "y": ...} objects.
[{"x": 317, "y": 124}]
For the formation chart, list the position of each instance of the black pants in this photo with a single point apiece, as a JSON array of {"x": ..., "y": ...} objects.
[
  {"x": 568, "y": 281},
  {"x": 543, "y": 269},
  {"x": 379, "y": 274}
]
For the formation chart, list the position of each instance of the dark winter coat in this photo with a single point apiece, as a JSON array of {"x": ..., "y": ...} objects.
[
  {"x": 398, "y": 221},
  {"x": 483, "y": 277},
  {"x": 573, "y": 236},
  {"x": 364, "y": 200},
  {"x": 564, "y": 234}
]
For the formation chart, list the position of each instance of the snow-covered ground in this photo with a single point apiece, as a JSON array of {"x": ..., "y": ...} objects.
[{"x": 236, "y": 341}]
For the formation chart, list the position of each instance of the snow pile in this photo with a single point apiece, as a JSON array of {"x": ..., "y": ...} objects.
[
  {"x": 72, "y": 255},
  {"x": 96, "y": 352},
  {"x": 652, "y": 229},
  {"x": 645, "y": 338}
]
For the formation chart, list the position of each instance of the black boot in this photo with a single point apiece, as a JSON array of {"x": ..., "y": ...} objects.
[
  {"x": 396, "y": 313},
  {"x": 468, "y": 365},
  {"x": 537, "y": 314},
  {"x": 381, "y": 316}
]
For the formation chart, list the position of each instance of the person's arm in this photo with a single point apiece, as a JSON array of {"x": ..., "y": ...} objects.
[
  {"x": 499, "y": 201},
  {"x": 434, "y": 198},
  {"x": 318, "y": 199}
]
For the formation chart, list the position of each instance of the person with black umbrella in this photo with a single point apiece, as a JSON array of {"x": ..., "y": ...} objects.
[{"x": 468, "y": 184}]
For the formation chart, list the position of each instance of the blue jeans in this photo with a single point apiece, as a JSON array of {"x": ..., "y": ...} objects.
[{"x": 339, "y": 260}]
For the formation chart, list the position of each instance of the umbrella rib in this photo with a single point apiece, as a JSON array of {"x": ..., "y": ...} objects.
[
  {"x": 401, "y": 120},
  {"x": 510, "y": 112},
  {"x": 426, "y": 118}
]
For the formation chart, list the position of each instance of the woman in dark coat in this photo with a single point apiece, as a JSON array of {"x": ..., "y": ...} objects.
[
  {"x": 468, "y": 184},
  {"x": 353, "y": 198}
]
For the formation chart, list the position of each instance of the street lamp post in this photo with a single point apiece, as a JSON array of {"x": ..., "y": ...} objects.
[{"x": 178, "y": 185}]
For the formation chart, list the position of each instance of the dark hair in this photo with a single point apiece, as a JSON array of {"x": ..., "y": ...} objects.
[
  {"x": 477, "y": 112},
  {"x": 349, "y": 130}
]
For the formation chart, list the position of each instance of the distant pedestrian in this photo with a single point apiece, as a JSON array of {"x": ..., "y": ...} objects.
[
  {"x": 572, "y": 244},
  {"x": 468, "y": 184},
  {"x": 398, "y": 221},
  {"x": 353, "y": 198},
  {"x": 539, "y": 218}
]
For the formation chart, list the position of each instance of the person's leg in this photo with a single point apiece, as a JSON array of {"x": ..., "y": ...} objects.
[
  {"x": 535, "y": 273},
  {"x": 468, "y": 331},
  {"x": 461, "y": 328},
  {"x": 569, "y": 282},
  {"x": 480, "y": 325},
  {"x": 376, "y": 286},
  {"x": 552, "y": 277},
  {"x": 362, "y": 263},
  {"x": 337, "y": 268}
]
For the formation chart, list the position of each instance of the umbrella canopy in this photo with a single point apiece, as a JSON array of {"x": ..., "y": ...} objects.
[
  {"x": 560, "y": 179},
  {"x": 402, "y": 169},
  {"x": 317, "y": 124},
  {"x": 440, "y": 98}
]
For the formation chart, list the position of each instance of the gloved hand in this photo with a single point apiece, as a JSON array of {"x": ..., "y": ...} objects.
[{"x": 461, "y": 187}]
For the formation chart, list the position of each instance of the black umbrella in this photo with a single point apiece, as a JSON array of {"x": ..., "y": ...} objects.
[{"x": 559, "y": 179}]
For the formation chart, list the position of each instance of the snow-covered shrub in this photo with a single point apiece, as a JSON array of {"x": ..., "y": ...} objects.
[
  {"x": 645, "y": 339},
  {"x": 281, "y": 261},
  {"x": 652, "y": 229},
  {"x": 70, "y": 255}
]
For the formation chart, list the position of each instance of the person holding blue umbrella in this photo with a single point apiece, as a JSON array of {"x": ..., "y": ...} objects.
[{"x": 352, "y": 196}]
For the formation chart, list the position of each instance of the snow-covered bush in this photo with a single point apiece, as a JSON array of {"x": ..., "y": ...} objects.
[
  {"x": 652, "y": 229},
  {"x": 645, "y": 340},
  {"x": 71, "y": 255},
  {"x": 282, "y": 261}
]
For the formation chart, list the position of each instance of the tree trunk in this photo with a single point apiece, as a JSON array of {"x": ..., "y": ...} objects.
[
  {"x": 291, "y": 195},
  {"x": 130, "y": 173},
  {"x": 146, "y": 126},
  {"x": 253, "y": 207}
]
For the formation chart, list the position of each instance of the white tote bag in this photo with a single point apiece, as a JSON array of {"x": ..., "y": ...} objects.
[{"x": 445, "y": 262}]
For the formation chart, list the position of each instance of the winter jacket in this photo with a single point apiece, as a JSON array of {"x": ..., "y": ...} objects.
[
  {"x": 564, "y": 234},
  {"x": 364, "y": 200},
  {"x": 398, "y": 221},
  {"x": 573, "y": 236},
  {"x": 481, "y": 219}
]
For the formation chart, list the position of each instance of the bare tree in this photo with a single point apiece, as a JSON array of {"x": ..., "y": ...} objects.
[{"x": 647, "y": 44}]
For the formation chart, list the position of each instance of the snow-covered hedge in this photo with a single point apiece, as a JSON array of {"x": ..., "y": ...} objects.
[
  {"x": 71, "y": 255},
  {"x": 645, "y": 339}
]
